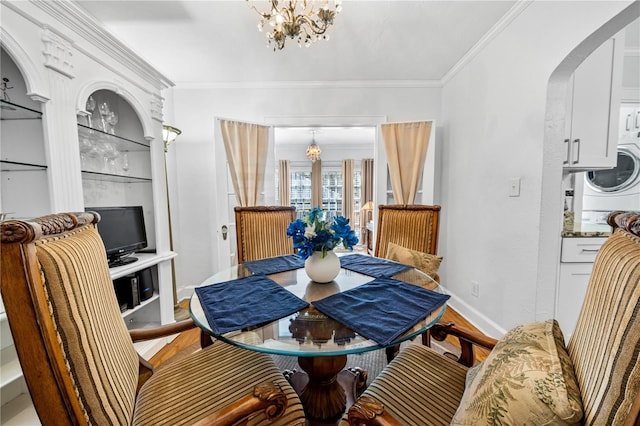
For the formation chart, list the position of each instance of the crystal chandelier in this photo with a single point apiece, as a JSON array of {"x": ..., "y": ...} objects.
[
  {"x": 297, "y": 19},
  {"x": 313, "y": 150}
]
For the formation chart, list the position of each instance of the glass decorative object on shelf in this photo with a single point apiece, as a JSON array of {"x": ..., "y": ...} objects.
[
  {"x": 85, "y": 149},
  {"x": 112, "y": 119},
  {"x": 125, "y": 162},
  {"x": 104, "y": 111},
  {"x": 4, "y": 86},
  {"x": 110, "y": 154},
  {"x": 90, "y": 107}
]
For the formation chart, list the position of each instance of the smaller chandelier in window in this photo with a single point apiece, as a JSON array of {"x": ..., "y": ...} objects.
[
  {"x": 297, "y": 19},
  {"x": 313, "y": 150}
]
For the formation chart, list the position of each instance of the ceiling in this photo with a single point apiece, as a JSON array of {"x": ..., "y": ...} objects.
[{"x": 217, "y": 42}]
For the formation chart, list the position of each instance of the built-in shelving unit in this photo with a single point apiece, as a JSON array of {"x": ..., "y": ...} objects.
[
  {"x": 23, "y": 167},
  {"x": 108, "y": 177},
  {"x": 17, "y": 166},
  {"x": 13, "y": 111},
  {"x": 116, "y": 171},
  {"x": 58, "y": 153}
]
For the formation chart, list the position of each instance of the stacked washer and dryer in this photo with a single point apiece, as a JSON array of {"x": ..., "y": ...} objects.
[{"x": 618, "y": 188}]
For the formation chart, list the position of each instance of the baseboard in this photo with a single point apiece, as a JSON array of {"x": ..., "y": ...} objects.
[
  {"x": 479, "y": 320},
  {"x": 148, "y": 348},
  {"x": 186, "y": 292}
]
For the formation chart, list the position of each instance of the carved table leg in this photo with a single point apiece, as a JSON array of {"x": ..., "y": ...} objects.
[{"x": 325, "y": 389}]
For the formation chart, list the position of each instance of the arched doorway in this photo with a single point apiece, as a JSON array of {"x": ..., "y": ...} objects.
[{"x": 551, "y": 208}]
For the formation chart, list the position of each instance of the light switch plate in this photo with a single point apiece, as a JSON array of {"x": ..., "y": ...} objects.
[{"x": 514, "y": 187}]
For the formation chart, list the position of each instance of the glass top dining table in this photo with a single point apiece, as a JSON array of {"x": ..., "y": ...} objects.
[{"x": 309, "y": 333}]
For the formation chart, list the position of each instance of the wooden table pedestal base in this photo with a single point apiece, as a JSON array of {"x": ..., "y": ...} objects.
[{"x": 325, "y": 388}]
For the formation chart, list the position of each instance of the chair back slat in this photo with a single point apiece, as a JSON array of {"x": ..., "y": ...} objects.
[
  {"x": 262, "y": 231},
  {"x": 605, "y": 346},
  {"x": 90, "y": 364},
  {"x": 411, "y": 226}
]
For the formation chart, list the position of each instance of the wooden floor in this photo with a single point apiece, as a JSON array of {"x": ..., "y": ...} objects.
[{"x": 189, "y": 341}]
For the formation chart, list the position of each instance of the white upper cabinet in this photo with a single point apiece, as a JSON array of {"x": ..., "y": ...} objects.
[
  {"x": 593, "y": 109},
  {"x": 629, "y": 129}
]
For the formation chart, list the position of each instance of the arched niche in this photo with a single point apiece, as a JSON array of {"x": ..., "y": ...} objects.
[
  {"x": 34, "y": 81},
  {"x": 140, "y": 111}
]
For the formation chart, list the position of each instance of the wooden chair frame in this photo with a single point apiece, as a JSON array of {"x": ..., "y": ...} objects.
[{"x": 43, "y": 362}]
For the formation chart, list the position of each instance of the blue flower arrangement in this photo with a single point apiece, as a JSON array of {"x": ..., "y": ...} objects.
[{"x": 314, "y": 233}]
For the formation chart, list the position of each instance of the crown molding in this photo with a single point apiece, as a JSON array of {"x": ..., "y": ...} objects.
[
  {"x": 75, "y": 18},
  {"x": 365, "y": 84},
  {"x": 499, "y": 26}
]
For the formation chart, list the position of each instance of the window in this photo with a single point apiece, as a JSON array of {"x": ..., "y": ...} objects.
[
  {"x": 300, "y": 187},
  {"x": 332, "y": 192}
]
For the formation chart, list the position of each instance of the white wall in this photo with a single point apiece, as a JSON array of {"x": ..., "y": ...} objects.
[
  {"x": 494, "y": 129},
  {"x": 194, "y": 110},
  {"x": 491, "y": 127}
]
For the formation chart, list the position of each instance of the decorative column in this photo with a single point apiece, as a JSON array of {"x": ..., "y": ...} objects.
[{"x": 60, "y": 126}]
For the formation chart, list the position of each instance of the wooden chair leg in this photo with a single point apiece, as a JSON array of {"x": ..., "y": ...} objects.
[
  {"x": 205, "y": 340},
  {"x": 392, "y": 351},
  {"x": 426, "y": 338}
]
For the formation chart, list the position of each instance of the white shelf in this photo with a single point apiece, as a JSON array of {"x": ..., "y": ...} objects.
[
  {"x": 144, "y": 261},
  {"x": 11, "y": 370},
  {"x": 128, "y": 312},
  {"x": 20, "y": 412}
]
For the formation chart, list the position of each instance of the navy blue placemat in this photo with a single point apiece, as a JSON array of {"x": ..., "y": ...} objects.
[
  {"x": 372, "y": 266},
  {"x": 382, "y": 309},
  {"x": 245, "y": 302},
  {"x": 273, "y": 265}
]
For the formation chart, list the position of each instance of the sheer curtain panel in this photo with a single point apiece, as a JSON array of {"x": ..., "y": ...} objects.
[
  {"x": 347, "y": 190},
  {"x": 284, "y": 183},
  {"x": 406, "y": 147},
  {"x": 246, "y": 147}
]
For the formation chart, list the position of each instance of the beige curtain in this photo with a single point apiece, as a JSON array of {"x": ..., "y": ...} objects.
[
  {"x": 246, "y": 146},
  {"x": 366, "y": 194},
  {"x": 406, "y": 147},
  {"x": 316, "y": 184},
  {"x": 347, "y": 191},
  {"x": 284, "y": 183},
  {"x": 366, "y": 181}
]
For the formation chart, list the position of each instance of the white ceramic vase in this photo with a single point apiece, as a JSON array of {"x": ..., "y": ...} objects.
[{"x": 322, "y": 269}]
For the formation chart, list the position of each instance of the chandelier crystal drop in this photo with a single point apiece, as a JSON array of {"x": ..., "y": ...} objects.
[{"x": 300, "y": 20}]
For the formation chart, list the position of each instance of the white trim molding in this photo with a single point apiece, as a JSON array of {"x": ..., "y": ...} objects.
[
  {"x": 516, "y": 10},
  {"x": 34, "y": 80},
  {"x": 144, "y": 114},
  {"x": 360, "y": 84},
  {"x": 57, "y": 52}
]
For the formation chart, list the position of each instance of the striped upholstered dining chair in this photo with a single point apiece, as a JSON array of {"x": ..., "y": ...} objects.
[
  {"x": 78, "y": 357},
  {"x": 408, "y": 233},
  {"x": 530, "y": 376},
  {"x": 261, "y": 231},
  {"x": 412, "y": 226}
]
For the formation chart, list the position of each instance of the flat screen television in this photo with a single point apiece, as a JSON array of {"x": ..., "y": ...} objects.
[{"x": 123, "y": 232}]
